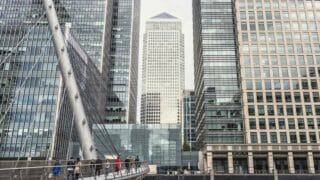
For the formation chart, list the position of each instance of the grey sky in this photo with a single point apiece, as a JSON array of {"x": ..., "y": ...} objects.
[{"x": 181, "y": 9}]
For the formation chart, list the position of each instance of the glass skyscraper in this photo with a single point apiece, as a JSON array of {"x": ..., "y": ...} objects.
[
  {"x": 276, "y": 51},
  {"x": 29, "y": 111},
  {"x": 217, "y": 87},
  {"x": 123, "y": 64}
]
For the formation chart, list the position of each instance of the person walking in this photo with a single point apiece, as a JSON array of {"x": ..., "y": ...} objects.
[
  {"x": 107, "y": 167},
  {"x": 98, "y": 167},
  {"x": 70, "y": 169},
  {"x": 137, "y": 162},
  {"x": 56, "y": 170},
  {"x": 77, "y": 168},
  {"x": 117, "y": 164},
  {"x": 127, "y": 165}
]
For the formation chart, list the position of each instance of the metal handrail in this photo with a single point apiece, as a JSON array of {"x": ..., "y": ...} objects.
[{"x": 87, "y": 171}]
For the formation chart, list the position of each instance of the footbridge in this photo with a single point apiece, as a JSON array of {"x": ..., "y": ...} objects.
[{"x": 81, "y": 93}]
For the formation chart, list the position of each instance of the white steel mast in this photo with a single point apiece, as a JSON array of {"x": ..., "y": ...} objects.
[{"x": 80, "y": 118}]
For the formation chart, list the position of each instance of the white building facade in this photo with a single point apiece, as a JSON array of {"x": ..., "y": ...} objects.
[{"x": 163, "y": 71}]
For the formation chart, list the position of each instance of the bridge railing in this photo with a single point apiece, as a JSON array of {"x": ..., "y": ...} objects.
[{"x": 87, "y": 171}]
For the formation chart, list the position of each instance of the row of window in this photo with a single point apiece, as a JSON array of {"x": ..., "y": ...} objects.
[
  {"x": 282, "y": 110},
  {"x": 282, "y": 123},
  {"x": 256, "y": 60},
  {"x": 283, "y": 137},
  {"x": 260, "y": 97},
  {"x": 279, "y": 4},
  {"x": 280, "y": 84}
]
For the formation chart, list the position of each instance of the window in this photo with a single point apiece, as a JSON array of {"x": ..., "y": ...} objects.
[
  {"x": 306, "y": 97},
  {"x": 316, "y": 97},
  {"x": 312, "y": 137},
  {"x": 317, "y": 108},
  {"x": 253, "y": 124},
  {"x": 251, "y": 110},
  {"x": 283, "y": 137},
  {"x": 270, "y": 110},
  {"x": 301, "y": 123},
  {"x": 304, "y": 84},
  {"x": 293, "y": 137},
  {"x": 250, "y": 97},
  {"x": 272, "y": 124},
  {"x": 291, "y": 123},
  {"x": 254, "y": 138},
  {"x": 297, "y": 97},
  {"x": 287, "y": 96},
  {"x": 309, "y": 110},
  {"x": 310, "y": 123},
  {"x": 289, "y": 110},
  {"x": 261, "y": 110},
  {"x": 280, "y": 110},
  {"x": 303, "y": 137},
  {"x": 278, "y": 97},
  {"x": 273, "y": 137},
  {"x": 299, "y": 110},
  {"x": 267, "y": 84},
  {"x": 269, "y": 97},
  {"x": 262, "y": 124},
  {"x": 259, "y": 97},
  {"x": 314, "y": 84},
  {"x": 263, "y": 136},
  {"x": 282, "y": 124}
]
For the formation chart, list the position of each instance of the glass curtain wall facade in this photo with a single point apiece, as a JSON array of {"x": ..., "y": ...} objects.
[
  {"x": 279, "y": 54},
  {"x": 158, "y": 144},
  {"x": 217, "y": 94},
  {"x": 123, "y": 64},
  {"x": 28, "y": 126},
  {"x": 189, "y": 121}
]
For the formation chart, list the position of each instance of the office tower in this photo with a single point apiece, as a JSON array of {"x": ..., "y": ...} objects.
[
  {"x": 163, "y": 70},
  {"x": 217, "y": 89},
  {"x": 279, "y": 54},
  {"x": 123, "y": 63},
  {"x": 30, "y": 110},
  {"x": 189, "y": 121}
]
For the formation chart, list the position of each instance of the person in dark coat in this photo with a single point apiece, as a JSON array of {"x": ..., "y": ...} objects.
[
  {"x": 127, "y": 164},
  {"x": 70, "y": 168},
  {"x": 137, "y": 162},
  {"x": 98, "y": 167}
]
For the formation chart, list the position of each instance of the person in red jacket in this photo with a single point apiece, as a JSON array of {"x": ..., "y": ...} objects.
[{"x": 117, "y": 163}]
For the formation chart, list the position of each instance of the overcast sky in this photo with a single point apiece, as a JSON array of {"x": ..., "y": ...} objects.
[{"x": 181, "y": 9}]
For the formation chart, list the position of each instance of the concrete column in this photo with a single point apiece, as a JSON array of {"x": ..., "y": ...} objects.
[
  {"x": 205, "y": 164},
  {"x": 250, "y": 163},
  {"x": 291, "y": 163},
  {"x": 310, "y": 163},
  {"x": 270, "y": 162},
  {"x": 209, "y": 161},
  {"x": 230, "y": 163}
]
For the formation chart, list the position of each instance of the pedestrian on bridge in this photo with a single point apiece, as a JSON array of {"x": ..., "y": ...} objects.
[
  {"x": 117, "y": 164},
  {"x": 77, "y": 168},
  {"x": 56, "y": 170},
  {"x": 107, "y": 167},
  {"x": 98, "y": 167},
  {"x": 127, "y": 165},
  {"x": 70, "y": 169}
]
